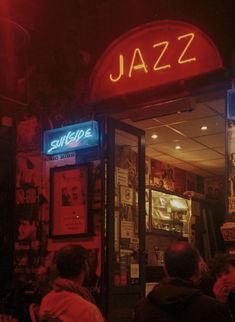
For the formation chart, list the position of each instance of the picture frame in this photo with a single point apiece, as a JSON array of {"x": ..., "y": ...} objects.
[
  {"x": 70, "y": 213},
  {"x": 27, "y": 195}
]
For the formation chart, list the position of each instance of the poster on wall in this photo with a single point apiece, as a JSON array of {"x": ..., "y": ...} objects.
[
  {"x": 231, "y": 157},
  {"x": 180, "y": 180},
  {"x": 214, "y": 188},
  {"x": 28, "y": 170},
  {"x": 127, "y": 229},
  {"x": 121, "y": 176},
  {"x": 231, "y": 205},
  {"x": 126, "y": 195},
  {"x": 27, "y": 196},
  {"x": 55, "y": 161},
  {"x": 147, "y": 170},
  {"x": 231, "y": 166},
  {"x": 162, "y": 175},
  {"x": 26, "y": 261},
  {"x": 49, "y": 162},
  {"x": 69, "y": 211},
  {"x": 27, "y": 234},
  {"x": 28, "y": 134}
]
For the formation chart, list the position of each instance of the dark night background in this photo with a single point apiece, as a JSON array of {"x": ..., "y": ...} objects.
[
  {"x": 48, "y": 49},
  {"x": 68, "y": 36},
  {"x": 93, "y": 24}
]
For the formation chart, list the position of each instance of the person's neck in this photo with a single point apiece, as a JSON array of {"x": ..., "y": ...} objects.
[{"x": 78, "y": 280}]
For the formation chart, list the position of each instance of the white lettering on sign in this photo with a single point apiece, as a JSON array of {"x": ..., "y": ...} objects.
[
  {"x": 138, "y": 62},
  {"x": 70, "y": 138}
]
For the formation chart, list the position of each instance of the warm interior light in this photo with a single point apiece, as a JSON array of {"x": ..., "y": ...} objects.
[
  {"x": 204, "y": 128},
  {"x": 178, "y": 147},
  {"x": 154, "y": 136},
  {"x": 179, "y": 203}
]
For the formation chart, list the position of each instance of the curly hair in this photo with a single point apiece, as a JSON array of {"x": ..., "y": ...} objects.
[
  {"x": 220, "y": 263},
  {"x": 70, "y": 260}
]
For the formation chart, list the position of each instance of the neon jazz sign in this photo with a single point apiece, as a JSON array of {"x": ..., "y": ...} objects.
[
  {"x": 72, "y": 137},
  {"x": 138, "y": 62},
  {"x": 152, "y": 55}
]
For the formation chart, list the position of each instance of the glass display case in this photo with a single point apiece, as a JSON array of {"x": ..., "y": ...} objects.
[{"x": 167, "y": 211}]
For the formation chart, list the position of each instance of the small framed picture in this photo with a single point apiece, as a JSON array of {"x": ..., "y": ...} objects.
[{"x": 69, "y": 206}]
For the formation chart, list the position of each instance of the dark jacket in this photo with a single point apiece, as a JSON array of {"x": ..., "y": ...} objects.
[
  {"x": 231, "y": 303},
  {"x": 177, "y": 300}
]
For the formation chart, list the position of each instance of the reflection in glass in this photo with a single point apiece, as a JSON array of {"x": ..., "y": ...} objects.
[{"x": 126, "y": 223}]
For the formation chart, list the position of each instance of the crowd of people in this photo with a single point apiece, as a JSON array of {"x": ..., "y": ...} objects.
[{"x": 191, "y": 290}]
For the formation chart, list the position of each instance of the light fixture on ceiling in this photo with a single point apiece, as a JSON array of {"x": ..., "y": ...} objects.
[
  {"x": 178, "y": 147},
  {"x": 154, "y": 136},
  {"x": 204, "y": 128}
]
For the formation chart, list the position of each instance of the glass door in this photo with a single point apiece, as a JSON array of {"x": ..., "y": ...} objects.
[{"x": 125, "y": 219}]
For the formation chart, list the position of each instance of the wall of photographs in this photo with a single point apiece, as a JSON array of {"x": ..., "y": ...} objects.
[
  {"x": 34, "y": 249},
  {"x": 126, "y": 221},
  {"x": 231, "y": 167}
]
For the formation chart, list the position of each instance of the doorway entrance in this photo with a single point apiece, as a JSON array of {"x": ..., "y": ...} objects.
[{"x": 185, "y": 156}]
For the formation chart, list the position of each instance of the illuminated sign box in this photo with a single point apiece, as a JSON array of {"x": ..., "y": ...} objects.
[
  {"x": 231, "y": 104},
  {"x": 72, "y": 137},
  {"x": 152, "y": 55}
]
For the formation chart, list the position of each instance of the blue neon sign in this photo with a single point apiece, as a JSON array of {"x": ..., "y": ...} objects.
[
  {"x": 231, "y": 104},
  {"x": 72, "y": 137}
]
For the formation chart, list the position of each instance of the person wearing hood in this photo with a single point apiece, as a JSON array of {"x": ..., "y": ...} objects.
[
  {"x": 176, "y": 298},
  {"x": 69, "y": 301}
]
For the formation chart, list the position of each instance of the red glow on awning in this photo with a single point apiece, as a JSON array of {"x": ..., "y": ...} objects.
[{"x": 152, "y": 55}]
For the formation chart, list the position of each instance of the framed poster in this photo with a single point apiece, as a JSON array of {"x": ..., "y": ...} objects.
[{"x": 69, "y": 206}]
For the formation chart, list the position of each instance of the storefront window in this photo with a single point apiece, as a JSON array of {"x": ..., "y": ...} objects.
[{"x": 126, "y": 223}]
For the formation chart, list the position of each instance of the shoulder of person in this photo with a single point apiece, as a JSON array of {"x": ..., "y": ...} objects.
[
  {"x": 214, "y": 309},
  {"x": 91, "y": 313},
  {"x": 145, "y": 311}
]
